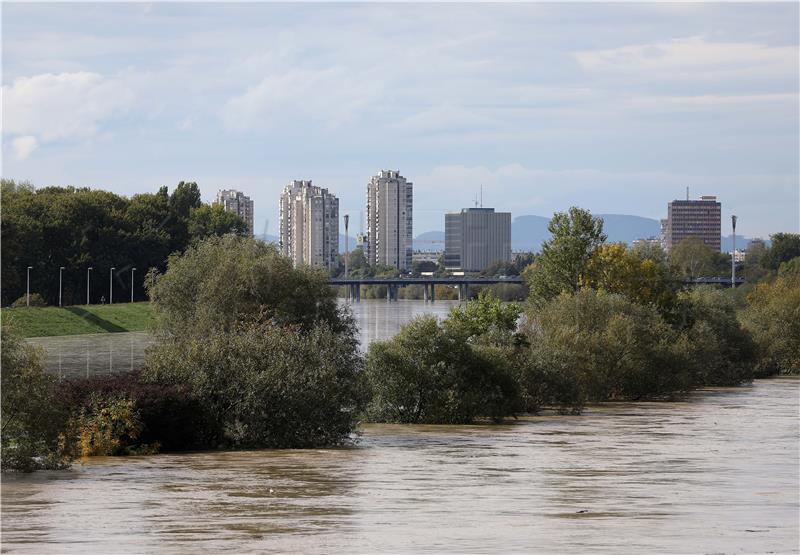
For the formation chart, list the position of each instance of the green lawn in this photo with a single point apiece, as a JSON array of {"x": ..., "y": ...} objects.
[{"x": 74, "y": 320}]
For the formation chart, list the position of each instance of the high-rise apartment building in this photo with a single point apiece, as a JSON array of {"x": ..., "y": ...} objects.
[
  {"x": 475, "y": 238},
  {"x": 694, "y": 218},
  {"x": 309, "y": 220},
  {"x": 238, "y": 203},
  {"x": 389, "y": 234}
]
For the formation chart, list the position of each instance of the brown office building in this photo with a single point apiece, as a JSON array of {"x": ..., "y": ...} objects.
[{"x": 694, "y": 218}]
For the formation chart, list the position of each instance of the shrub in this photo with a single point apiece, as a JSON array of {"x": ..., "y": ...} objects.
[
  {"x": 717, "y": 349},
  {"x": 36, "y": 300},
  {"x": 263, "y": 385},
  {"x": 773, "y": 318},
  {"x": 106, "y": 426},
  {"x": 33, "y": 425},
  {"x": 596, "y": 346},
  {"x": 429, "y": 374},
  {"x": 170, "y": 416},
  {"x": 220, "y": 281}
]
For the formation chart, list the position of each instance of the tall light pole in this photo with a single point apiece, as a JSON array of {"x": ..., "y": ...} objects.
[
  {"x": 133, "y": 270},
  {"x": 346, "y": 242},
  {"x": 60, "y": 270},
  {"x": 733, "y": 256},
  {"x": 89, "y": 269},
  {"x": 111, "y": 285},
  {"x": 28, "y": 290}
]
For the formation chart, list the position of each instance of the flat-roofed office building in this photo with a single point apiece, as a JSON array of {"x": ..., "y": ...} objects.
[
  {"x": 475, "y": 238},
  {"x": 694, "y": 218}
]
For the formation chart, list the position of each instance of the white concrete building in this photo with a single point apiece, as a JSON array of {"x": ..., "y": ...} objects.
[
  {"x": 309, "y": 221},
  {"x": 237, "y": 202},
  {"x": 389, "y": 236}
]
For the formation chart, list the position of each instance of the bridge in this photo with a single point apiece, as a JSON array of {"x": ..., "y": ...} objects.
[{"x": 428, "y": 284}]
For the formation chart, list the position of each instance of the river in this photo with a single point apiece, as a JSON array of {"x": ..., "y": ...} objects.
[{"x": 716, "y": 473}]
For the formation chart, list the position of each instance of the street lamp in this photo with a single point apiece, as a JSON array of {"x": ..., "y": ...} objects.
[
  {"x": 346, "y": 242},
  {"x": 28, "y": 293},
  {"x": 132, "y": 270},
  {"x": 111, "y": 286},
  {"x": 89, "y": 269},
  {"x": 733, "y": 256},
  {"x": 60, "y": 270}
]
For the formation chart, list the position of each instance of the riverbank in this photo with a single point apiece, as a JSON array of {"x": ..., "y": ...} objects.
[{"x": 78, "y": 320}]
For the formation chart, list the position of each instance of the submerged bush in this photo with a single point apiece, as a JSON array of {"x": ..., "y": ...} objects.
[
  {"x": 170, "y": 418},
  {"x": 444, "y": 373},
  {"x": 33, "y": 423},
  {"x": 262, "y": 385},
  {"x": 773, "y": 318},
  {"x": 718, "y": 351},
  {"x": 596, "y": 346},
  {"x": 106, "y": 426}
]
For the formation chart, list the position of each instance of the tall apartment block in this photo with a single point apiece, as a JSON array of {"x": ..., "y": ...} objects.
[
  {"x": 309, "y": 219},
  {"x": 389, "y": 236},
  {"x": 238, "y": 203},
  {"x": 475, "y": 238},
  {"x": 694, "y": 218}
]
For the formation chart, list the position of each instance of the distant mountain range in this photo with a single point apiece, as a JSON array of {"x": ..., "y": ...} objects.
[{"x": 528, "y": 232}]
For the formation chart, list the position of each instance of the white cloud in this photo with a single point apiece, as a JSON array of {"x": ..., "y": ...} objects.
[
  {"x": 328, "y": 96},
  {"x": 693, "y": 56},
  {"x": 24, "y": 146},
  {"x": 65, "y": 106}
]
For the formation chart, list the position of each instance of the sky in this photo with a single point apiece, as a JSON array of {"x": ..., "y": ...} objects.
[{"x": 616, "y": 108}]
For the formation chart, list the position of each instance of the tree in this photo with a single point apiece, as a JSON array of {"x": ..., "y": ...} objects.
[
  {"x": 692, "y": 258},
  {"x": 785, "y": 247},
  {"x": 773, "y": 317},
  {"x": 597, "y": 346},
  {"x": 575, "y": 236},
  {"x": 264, "y": 385},
  {"x": 718, "y": 350},
  {"x": 220, "y": 281},
  {"x": 484, "y": 315},
  {"x": 33, "y": 426},
  {"x": 207, "y": 220},
  {"x": 427, "y": 375},
  {"x": 644, "y": 280}
]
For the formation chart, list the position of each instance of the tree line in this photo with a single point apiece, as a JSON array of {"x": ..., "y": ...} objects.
[{"x": 77, "y": 228}]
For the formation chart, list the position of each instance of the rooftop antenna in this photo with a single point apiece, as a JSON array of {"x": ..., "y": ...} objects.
[
  {"x": 476, "y": 200},
  {"x": 481, "y": 195},
  {"x": 687, "y": 192}
]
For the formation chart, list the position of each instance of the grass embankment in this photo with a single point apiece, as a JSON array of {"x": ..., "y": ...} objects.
[{"x": 75, "y": 320}]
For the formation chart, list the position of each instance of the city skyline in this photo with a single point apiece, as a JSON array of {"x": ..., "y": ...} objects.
[{"x": 547, "y": 114}]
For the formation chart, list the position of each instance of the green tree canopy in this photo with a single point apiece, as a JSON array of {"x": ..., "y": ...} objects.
[
  {"x": 785, "y": 246},
  {"x": 222, "y": 280},
  {"x": 575, "y": 236},
  {"x": 691, "y": 258}
]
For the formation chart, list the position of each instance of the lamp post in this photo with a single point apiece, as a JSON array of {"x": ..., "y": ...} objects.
[
  {"x": 60, "y": 281},
  {"x": 28, "y": 290},
  {"x": 132, "y": 270},
  {"x": 733, "y": 256},
  {"x": 111, "y": 285},
  {"x": 88, "y": 276},
  {"x": 346, "y": 242}
]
